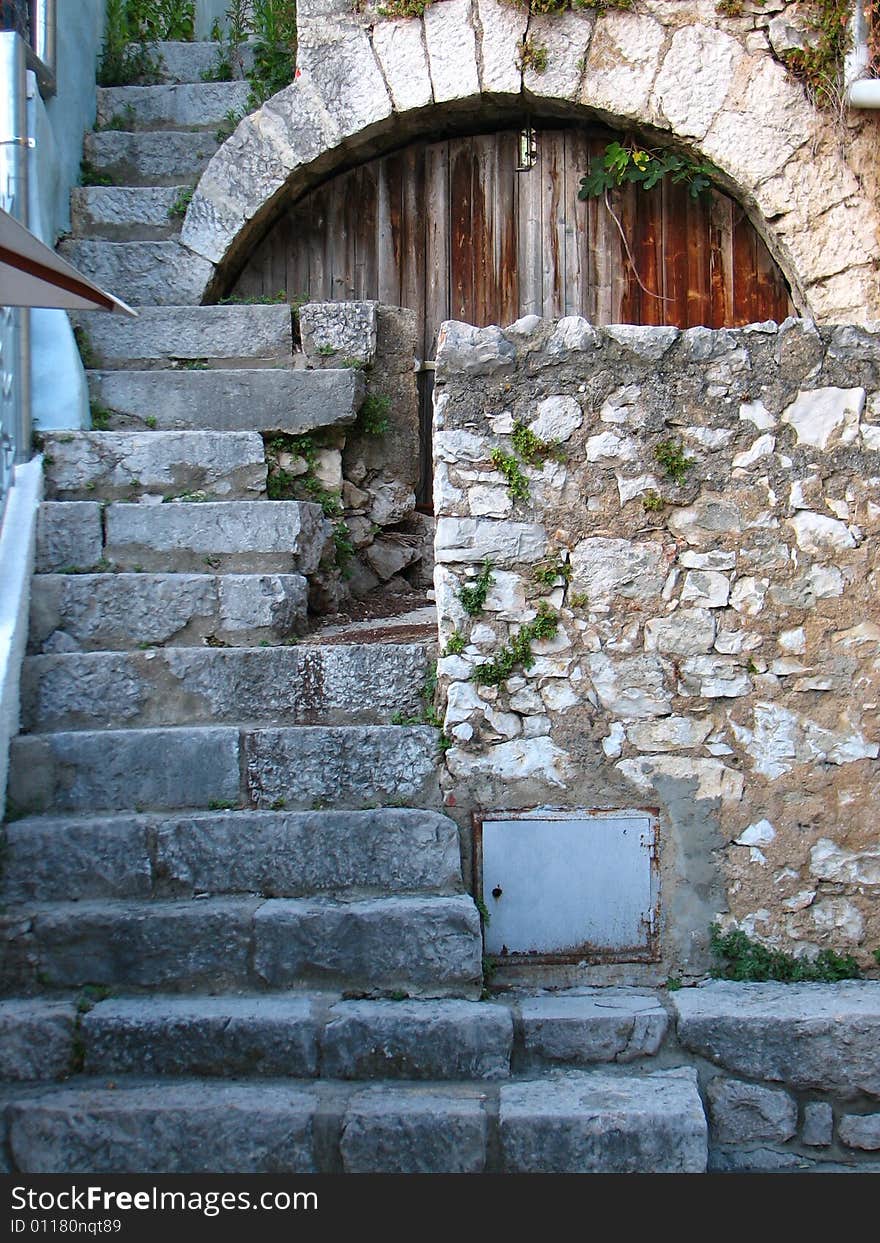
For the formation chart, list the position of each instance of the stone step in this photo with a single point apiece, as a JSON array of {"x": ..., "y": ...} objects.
[
  {"x": 142, "y": 273},
  {"x": 304, "y": 1036},
  {"x": 263, "y": 400},
  {"x": 234, "y": 537},
  {"x": 166, "y": 334},
  {"x": 189, "y": 62},
  {"x": 424, "y": 945},
  {"x": 333, "y": 685},
  {"x": 231, "y": 536},
  {"x": 126, "y": 213},
  {"x": 281, "y": 854},
  {"x": 69, "y": 536},
  {"x": 198, "y": 766},
  {"x": 582, "y": 1122},
  {"x": 188, "y": 105},
  {"x": 165, "y": 158},
  {"x": 127, "y": 465},
  {"x": 101, "y": 612}
]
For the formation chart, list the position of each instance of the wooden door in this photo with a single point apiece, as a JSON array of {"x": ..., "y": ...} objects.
[{"x": 453, "y": 231}]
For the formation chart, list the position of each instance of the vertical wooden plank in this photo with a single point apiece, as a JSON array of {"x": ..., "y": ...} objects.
[
  {"x": 529, "y": 255},
  {"x": 484, "y": 309},
  {"x": 743, "y": 271},
  {"x": 412, "y": 232},
  {"x": 335, "y": 238},
  {"x": 461, "y": 264},
  {"x": 721, "y": 211},
  {"x": 387, "y": 237},
  {"x": 367, "y": 244},
  {"x": 550, "y": 170},
  {"x": 576, "y": 217},
  {"x": 626, "y": 298},
  {"x": 675, "y": 254},
  {"x": 502, "y": 210},
  {"x": 437, "y": 306},
  {"x": 698, "y": 262}
]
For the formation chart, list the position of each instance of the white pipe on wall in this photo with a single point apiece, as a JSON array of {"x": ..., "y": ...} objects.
[{"x": 861, "y": 92}]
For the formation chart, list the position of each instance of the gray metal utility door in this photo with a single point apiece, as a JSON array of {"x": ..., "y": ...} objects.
[{"x": 570, "y": 885}]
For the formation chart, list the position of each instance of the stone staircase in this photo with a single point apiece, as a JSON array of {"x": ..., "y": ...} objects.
[{"x": 235, "y": 933}]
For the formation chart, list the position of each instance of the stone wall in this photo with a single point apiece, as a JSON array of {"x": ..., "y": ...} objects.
[
  {"x": 365, "y": 474},
  {"x": 670, "y": 71},
  {"x": 704, "y": 530}
]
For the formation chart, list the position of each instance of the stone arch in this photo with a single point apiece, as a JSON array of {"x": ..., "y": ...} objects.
[{"x": 365, "y": 85}]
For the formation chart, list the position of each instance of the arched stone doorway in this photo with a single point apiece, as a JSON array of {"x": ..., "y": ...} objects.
[{"x": 456, "y": 228}]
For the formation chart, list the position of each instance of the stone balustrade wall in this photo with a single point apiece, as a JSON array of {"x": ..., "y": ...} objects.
[{"x": 706, "y": 533}]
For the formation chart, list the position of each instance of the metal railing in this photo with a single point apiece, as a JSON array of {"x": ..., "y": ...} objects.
[
  {"x": 15, "y": 422},
  {"x": 35, "y": 22}
]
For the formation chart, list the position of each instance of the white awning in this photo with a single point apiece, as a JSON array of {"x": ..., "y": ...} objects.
[{"x": 33, "y": 275}]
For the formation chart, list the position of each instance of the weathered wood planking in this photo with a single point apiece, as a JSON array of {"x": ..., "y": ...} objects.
[{"x": 451, "y": 230}]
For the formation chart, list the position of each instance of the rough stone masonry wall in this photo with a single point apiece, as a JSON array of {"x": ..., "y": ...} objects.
[
  {"x": 718, "y": 646},
  {"x": 668, "y": 70},
  {"x": 372, "y": 467}
]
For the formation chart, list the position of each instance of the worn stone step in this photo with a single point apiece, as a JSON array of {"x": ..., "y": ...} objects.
[
  {"x": 127, "y": 465},
  {"x": 70, "y": 537},
  {"x": 342, "y": 766},
  {"x": 229, "y": 536},
  {"x": 100, "y": 612},
  {"x": 160, "y": 273},
  {"x": 298, "y": 1035},
  {"x": 809, "y": 1037},
  {"x": 412, "y": 944},
  {"x": 188, "y": 105},
  {"x": 166, "y": 158},
  {"x": 124, "y": 770},
  {"x": 580, "y": 1027},
  {"x": 234, "y": 537},
  {"x": 335, "y": 684},
  {"x": 274, "y": 853},
  {"x": 301, "y": 767},
  {"x": 126, "y": 213},
  {"x": 189, "y": 62},
  {"x": 580, "y": 1123},
  {"x": 166, "y": 334},
  {"x": 267, "y": 399},
  {"x": 37, "y": 1038},
  {"x": 602, "y": 1123}
]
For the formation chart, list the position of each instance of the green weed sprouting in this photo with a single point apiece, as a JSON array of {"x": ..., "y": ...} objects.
[
  {"x": 745, "y": 959},
  {"x": 473, "y": 596},
  {"x": 517, "y": 653},
  {"x": 671, "y": 457}
]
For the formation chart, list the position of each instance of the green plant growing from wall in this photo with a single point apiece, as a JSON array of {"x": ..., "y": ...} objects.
[
  {"x": 177, "y": 210},
  {"x": 101, "y": 416},
  {"x": 622, "y": 164},
  {"x": 517, "y": 483},
  {"x": 472, "y": 596},
  {"x": 546, "y": 573},
  {"x": 230, "y": 35},
  {"x": 745, "y": 959},
  {"x": 819, "y": 64},
  {"x": 455, "y": 644},
  {"x": 534, "y": 56},
  {"x": 374, "y": 415},
  {"x": 531, "y": 448},
  {"x": 671, "y": 457},
  {"x": 132, "y": 29},
  {"x": 517, "y": 653}
]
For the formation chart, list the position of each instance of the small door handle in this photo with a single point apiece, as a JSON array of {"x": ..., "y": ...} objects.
[{"x": 497, "y": 892}]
